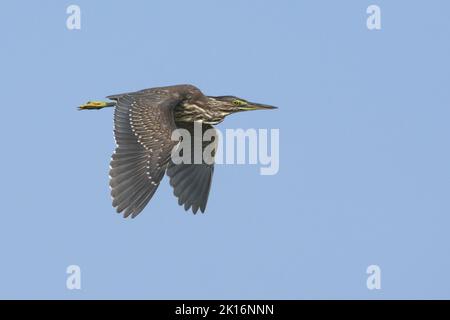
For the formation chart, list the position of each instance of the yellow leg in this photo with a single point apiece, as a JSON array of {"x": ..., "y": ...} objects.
[{"x": 95, "y": 105}]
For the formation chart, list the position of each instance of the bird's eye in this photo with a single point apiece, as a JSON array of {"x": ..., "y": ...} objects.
[{"x": 238, "y": 102}]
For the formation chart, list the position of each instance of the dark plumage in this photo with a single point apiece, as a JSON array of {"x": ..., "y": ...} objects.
[{"x": 143, "y": 126}]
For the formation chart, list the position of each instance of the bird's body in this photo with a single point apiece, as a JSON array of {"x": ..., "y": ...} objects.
[{"x": 143, "y": 125}]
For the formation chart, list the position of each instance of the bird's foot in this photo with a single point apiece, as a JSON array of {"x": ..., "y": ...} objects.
[{"x": 95, "y": 105}]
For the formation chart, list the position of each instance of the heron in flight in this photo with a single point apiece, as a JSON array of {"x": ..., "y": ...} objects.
[{"x": 143, "y": 126}]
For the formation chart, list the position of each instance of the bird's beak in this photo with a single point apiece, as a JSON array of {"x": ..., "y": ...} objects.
[{"x": 256, "y": 106}]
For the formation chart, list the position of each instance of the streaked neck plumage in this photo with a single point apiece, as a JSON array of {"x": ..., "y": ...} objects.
[{"x": 210, "y": 111}]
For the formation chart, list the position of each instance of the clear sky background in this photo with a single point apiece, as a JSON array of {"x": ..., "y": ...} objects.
[{"x": 364, "y": 153}]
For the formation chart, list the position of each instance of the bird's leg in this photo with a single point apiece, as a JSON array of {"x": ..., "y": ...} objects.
[{"x": 96, "y": 105}]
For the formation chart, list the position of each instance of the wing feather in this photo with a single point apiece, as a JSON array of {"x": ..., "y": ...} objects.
[
  {"x": 192, "y": 182},
  {"x": 143, "y": 125}
]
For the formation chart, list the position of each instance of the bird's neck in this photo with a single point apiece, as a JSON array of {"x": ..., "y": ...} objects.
[{"x": 207, "y": 112}]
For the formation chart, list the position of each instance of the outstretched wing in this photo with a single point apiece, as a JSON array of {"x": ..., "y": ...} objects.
[
  {"x": 143, "y": 125},
  {"x": 191, "y": 182}
]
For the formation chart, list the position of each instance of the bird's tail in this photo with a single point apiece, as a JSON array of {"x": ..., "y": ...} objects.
[{"x": 96, "y": 105}]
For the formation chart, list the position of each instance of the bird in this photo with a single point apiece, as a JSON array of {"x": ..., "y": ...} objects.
[{"x": 143, "y": 125}]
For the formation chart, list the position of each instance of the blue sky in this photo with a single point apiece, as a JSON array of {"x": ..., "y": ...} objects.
[{"x": 364, "y": 160}]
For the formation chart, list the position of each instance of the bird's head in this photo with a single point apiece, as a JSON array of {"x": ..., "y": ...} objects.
[{"x": 232, "y": 104}]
